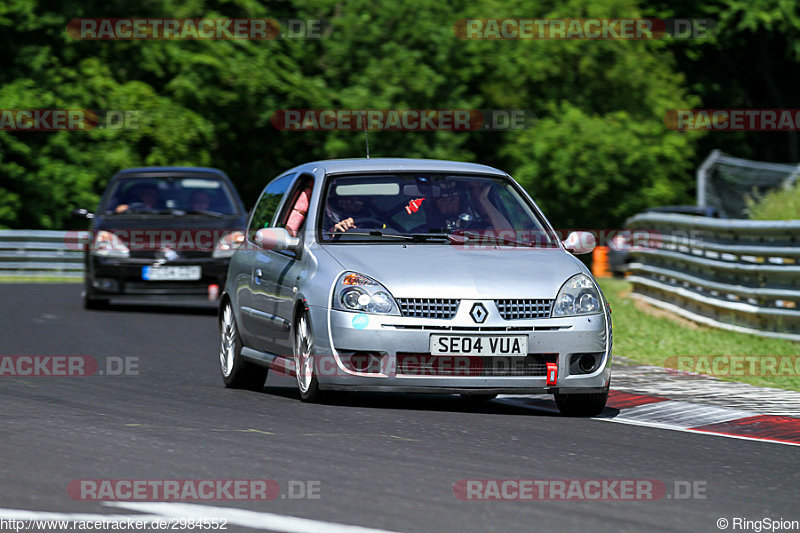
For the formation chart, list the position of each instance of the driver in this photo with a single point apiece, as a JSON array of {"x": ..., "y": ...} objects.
[
  {"x": 343, "y": 211},
  {"x": 148, "y": 199}
]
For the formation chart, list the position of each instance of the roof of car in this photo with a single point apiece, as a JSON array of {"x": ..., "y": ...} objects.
[
  {"x": 381, "y": 164},
  {"x": 147, "y": 170}
]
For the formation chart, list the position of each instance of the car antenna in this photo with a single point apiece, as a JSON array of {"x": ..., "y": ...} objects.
[{"x": 366, "y": 136}]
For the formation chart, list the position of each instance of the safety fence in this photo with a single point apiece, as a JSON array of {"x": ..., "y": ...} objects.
[
  {"x": 737, "y": 274},
  {"x": 39, "y": 253}
]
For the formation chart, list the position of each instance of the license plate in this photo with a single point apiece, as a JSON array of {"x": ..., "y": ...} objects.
[
  {"x": 160, "y": 273},
  {"x": 479, "y": 344}
]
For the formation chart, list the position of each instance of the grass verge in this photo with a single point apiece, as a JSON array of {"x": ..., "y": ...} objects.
[
  {"x": 38, "y": 279},
  {"x": 649, "y": 335}
]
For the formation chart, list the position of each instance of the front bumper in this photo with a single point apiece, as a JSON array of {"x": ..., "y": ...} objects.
[
  {"x": 395, "y": 337},
  {"x": 121, "y": 279}
]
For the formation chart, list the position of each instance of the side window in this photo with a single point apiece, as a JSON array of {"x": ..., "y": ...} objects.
[
  {"x": 295, "y": 211},
  {"x": 265, "y": 209}
]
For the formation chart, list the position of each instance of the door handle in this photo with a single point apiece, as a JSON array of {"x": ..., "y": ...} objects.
[{"x": 257, "y": 276}]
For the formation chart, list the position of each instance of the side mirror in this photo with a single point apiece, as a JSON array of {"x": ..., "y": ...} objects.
[
  {"x": 81, "y": 214},
  {"x": 276, "y": 239},
  {"x": 580, "y": 242}
]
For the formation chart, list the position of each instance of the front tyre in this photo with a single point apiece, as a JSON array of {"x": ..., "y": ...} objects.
[
  {"x": 591, "y": 404},
  {"x": 237, "y": 373},
  {"x": 90, "y": 301},
  {"x": 307, "y": 382},
  {"x": 94, "y": 304}
]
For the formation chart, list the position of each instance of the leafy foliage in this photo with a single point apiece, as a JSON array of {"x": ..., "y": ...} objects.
[
  {"x": 780, "y": 204},
  {"x": 598, "y": 151}
]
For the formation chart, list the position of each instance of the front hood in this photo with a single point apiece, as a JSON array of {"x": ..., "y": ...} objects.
[{"x": 452, "y": 271}]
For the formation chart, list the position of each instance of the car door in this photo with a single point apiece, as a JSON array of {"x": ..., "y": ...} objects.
[
  {"x": 277, "y": 273},
  {"x": 247, "y": 286}
]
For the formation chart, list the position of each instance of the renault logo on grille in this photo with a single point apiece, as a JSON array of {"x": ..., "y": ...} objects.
[{"x": 478, "y": 313}]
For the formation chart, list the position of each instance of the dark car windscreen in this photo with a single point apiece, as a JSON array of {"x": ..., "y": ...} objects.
[
  {"x": 455, "y": 208},
  {"x": 169, "y": 195}
]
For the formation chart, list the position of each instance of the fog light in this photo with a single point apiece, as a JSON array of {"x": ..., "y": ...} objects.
[
  {"x": 586, "y": 363},
  {"x": 106, "y": 284},
  {"x": 362, "y": 361}
]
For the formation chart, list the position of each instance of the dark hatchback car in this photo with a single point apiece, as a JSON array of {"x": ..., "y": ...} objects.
[{"x": 162, "y": 234}]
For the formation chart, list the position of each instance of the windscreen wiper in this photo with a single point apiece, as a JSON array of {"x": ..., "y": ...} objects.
[
  {"x": 203, "y": 212},
  {"x": 416, "y": 237},
  {"x": 372, "y": 233},
  {"x": 432, "y": 236},
  {"x": 497, "y": 238}
]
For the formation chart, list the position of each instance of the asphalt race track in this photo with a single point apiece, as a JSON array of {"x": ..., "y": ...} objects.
[{"x": 381, "y": 461}]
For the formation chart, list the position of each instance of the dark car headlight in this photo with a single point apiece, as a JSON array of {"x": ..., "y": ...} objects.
[
  {"x": 227, "y": 244},
  {"x": 108, "y": 244}
]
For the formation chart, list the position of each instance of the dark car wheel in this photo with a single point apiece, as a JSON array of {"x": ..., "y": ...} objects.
[
  {"x": 90, "y": 301},
  {"x": 237, "y": 373},
  {"x": 582, "y": 404}
]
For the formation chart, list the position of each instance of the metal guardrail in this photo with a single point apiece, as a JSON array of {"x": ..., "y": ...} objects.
[
  {"x": 741, "y": 275},
  {"x": 40, "y": 253}
]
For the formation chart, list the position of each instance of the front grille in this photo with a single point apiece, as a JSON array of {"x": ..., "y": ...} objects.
[
  {"x": 524, "y": 309},
  {"x": 423, "y": 364},
  {"x": 428, "y": 307}
]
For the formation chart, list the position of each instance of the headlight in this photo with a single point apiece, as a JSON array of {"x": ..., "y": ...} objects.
[
  {"x": 228, "y": 244},
  {"x": 578, "y": 296},
  {"x": 360, "y": 293},
  {"x": 107, "y": 244}
]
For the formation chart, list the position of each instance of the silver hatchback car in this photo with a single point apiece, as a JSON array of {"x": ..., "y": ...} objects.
[{"x": 413, "y": 275}]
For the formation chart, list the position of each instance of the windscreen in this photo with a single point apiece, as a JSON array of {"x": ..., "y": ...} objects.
[
  {"x": 169, "y": 195},
  {"x": 430, "y": 208}
]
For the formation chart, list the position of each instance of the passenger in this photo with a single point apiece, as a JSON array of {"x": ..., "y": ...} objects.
[
  {"x": 451, "y": 211},
  {"x": 199, "y": 200}
]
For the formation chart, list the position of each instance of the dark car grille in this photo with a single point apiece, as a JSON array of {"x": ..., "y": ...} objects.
[
  {"x": 524, "y": 309},
  {"x": 423, "y": 364},
  {"x": 159, "y": 255},
  {"x": 196, "y": 287},
  {"x": 428, "y": 307}
]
